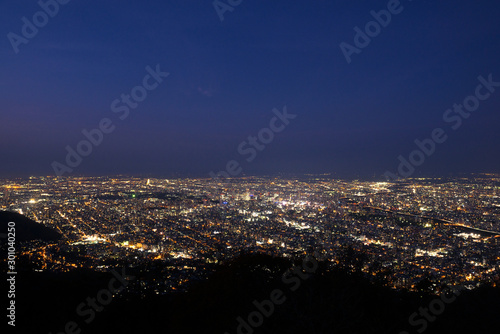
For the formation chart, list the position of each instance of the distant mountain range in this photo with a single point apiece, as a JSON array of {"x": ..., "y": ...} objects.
[{"x": 26, "y": 229}]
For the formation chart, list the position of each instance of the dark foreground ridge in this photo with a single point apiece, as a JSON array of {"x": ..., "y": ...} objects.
[
  {"x": 312, "y": 298},
  {"x": 27, "y": 229}
]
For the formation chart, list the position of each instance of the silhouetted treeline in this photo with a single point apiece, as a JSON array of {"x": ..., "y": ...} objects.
[{"x": 306, "y": 296}]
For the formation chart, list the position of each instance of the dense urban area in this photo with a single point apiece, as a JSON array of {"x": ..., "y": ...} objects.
[{"x": 176, "y": 230}]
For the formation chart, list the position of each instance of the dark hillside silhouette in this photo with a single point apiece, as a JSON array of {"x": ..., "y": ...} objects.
[
  {"x": 26, "y": 229},
  {"x": 329, "y": 300}
]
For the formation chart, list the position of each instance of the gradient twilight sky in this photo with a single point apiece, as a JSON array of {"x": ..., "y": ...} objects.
[{"x": 226, "y": 77}]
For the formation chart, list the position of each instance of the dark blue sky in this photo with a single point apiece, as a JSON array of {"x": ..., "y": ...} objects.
[{"x": 226, "y": 77}]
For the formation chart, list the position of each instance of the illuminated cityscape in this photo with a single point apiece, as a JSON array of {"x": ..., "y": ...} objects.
[
  {"x": 250, "y": 167},
  {"x": 446, "y": 229}
]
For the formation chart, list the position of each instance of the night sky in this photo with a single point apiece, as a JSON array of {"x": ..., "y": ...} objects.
[{"x": 226, "y": 77}]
